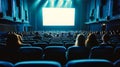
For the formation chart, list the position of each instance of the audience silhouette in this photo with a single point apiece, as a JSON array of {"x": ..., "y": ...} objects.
[
  {"x": 91, "y": 41},
  {"x": 80, "y": 40},
  {"x": 13, "y": 40}
]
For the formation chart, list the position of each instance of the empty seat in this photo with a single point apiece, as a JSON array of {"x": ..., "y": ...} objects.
[
  {"x": 6, "y": 64},
  {"x": 102, "y": 52},
  {"x": 56, "y": 53},
  {"x": 30, "y": 53},
  {"x": 89, "y": 63},
  {"x": 75, "y": 52},
  {"x": 38, "y": 64}
]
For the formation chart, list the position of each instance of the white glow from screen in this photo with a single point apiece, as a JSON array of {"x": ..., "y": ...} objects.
[{"x": 58, "y": 16}]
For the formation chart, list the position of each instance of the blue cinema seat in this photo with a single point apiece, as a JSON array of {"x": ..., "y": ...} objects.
[
  {"x": 117, "y": 63},
  {"x": 77, "y": 52},
  {"x": 31, "y": 53},
  {"x": 6, "y": 64},
  {"x": 56, "y": 53},
  {"x": 102, "y": 52},
  {"x": 117, "y": 53},
  {"x": 89, "y": 63},
  {"x": 38, "y": 64}
]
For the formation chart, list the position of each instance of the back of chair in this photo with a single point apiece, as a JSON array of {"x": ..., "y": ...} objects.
[
  {"x": 117, "y": 63},
  {"x": 56, "y": 53},
  {"x": 102, "y": 52},
  {"x": 55, "y": 44},
  {"x": 2, "y": 53},
  {"x": 9, "y": 54},
  {"x": 40, "y": 44},
  {"x": 31, "y": 53},
  {"x": 117, "y": 53},
  {"x": 6, "y": 64},
  {"x": 38, "y": 64},
  {"x": 67, "y": 45},
  {"x": 75, "y": 52},
  {"x": 89, "y": 63}
]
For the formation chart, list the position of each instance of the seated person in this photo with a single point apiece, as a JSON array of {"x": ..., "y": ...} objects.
[
  {"x": 105, "y": 40},
  {"x": 13, "y": 41},
  {"x": 80, "y": 40},
  {"x": 91, "y": 41}
]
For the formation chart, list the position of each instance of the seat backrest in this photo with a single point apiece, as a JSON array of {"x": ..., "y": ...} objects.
[
  {"x": 56, "y": 53},
  {"x": 117, "y": 63},
  {"x": 9, "y": 54},
  {"x": 40, "y": 44},
  {"x": 6, "y": 64},
  {"x": 102, "y": 52},
  {"x": 31, "y": 53},
  {"x": 89, "y": 63},
  {"x": 75, "y": 52},
  {"x": 26, "y": 45},
  {"x": 55, "y": 44},
  {"x": 2, "y": 54},
  {"x": 117, "y": 53},
  {"x": 38, "y": 64},
  {"x": 67, "y": 45}
]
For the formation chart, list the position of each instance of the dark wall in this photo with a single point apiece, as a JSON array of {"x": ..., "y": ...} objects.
[
  {"x": 103, "y": 11},
  {"x": 13, "y": 13}
]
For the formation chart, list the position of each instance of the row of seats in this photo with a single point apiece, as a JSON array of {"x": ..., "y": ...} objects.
[
  {"x": 72, "y": 63},
  {"x": 43, "y": 44},
  {"x": 60, "y": 53}
]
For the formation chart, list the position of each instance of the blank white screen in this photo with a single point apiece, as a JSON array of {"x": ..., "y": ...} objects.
[{"x": 58, "y": 16}]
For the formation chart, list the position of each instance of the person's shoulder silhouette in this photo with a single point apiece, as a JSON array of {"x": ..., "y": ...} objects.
[{"x": 13, "y": 41}]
